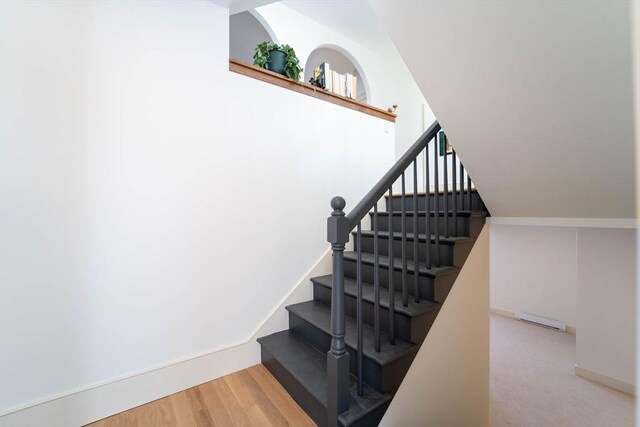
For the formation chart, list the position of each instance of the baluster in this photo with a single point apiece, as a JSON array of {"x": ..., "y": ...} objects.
[
  {"x": 416, "y": 256},
  {"x": 454, "y": 194},
  {"x": 376, "y": 279},
  {"x": 392, "y": 291},
  {"x": 469, "y": 191},
  {"x": 405, "y": 295},
  {"x": 337, "y": 357},
  {"x": 461, "y": 186},
  {"x": 446, "y": 186},
  {"x": 359, "y": 310},
  {"x": 427, "y": 208},
  {"x": 436, "y": 203}
]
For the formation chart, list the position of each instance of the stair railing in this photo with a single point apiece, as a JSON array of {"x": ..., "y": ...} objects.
[{"x": 339, "y": 227}]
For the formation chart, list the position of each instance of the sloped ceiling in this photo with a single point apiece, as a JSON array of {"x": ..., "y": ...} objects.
[
  {"x": 535, "y": 96},
  {"x": 237, "y": 6},
  {"x": 356, "y": 18}
]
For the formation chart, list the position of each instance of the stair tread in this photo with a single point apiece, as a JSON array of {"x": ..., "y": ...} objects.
[
  {"x": 309, "y": 367},
  {"x": 368, "y": 258},
  {"x": 319, "y": 315},
  {"x": 422, "y": 193},
  {"x": 351, "y": 288},
  {"x": 421, "y": 236},
  {"x": 409, "y": 212}
]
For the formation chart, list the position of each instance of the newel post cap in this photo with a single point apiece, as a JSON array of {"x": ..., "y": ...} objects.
[
  {"x": 338, "y": 223},
  {"x": 338, "y": 204}
]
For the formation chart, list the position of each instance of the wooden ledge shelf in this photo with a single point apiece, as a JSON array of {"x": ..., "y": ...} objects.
[{"x": 276, "y": 79}]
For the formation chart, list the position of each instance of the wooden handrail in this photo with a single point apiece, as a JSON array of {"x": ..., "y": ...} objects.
[{"x": 258, "y": 73}]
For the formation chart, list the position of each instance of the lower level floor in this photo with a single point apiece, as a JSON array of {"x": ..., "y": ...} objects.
[{"x": 533, "y": 383}]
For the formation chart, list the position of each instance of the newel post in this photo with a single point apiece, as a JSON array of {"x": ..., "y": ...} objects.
[{"x": 337, "y": 357}]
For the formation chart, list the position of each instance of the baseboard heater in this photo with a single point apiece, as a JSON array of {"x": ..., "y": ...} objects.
[{"x": 541, "y": 321}]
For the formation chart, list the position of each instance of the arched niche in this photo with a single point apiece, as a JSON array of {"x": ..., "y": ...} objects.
[
  {"x": 342, "y": 62},
  {"x": 247, "y": 30}
]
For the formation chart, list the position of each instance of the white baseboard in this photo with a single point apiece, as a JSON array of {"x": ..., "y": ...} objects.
[
  {"x": 512, "y": 315},
  {"x": 501, "y": 312},
  {"x": 605, "y": 380},
  {"x": 94, "y": 402},
  {"x": 82, "y": 407}
]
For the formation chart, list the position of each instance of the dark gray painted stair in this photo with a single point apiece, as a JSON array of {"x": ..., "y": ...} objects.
[
  {"x": 297, "y": 357},
  {"x": 312, "y": 321},
  {"x": 383, "y": 260},
  {"x": 303, "y": 371},
  {"x": 476, "y": 201},
  {"x": 468, "y": 223},
  {"x": 434, "y": 283},
  {"x": 453, "y": 250},
  {"x": 411, "y": 322}
]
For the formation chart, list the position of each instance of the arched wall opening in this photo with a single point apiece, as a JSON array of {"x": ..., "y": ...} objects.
[
  {"x": 247, "y": 30},
  {"x": 340, "y": 61}
]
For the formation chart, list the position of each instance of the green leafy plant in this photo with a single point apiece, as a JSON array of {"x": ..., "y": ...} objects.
[
  {"x": 292, "y": 67},
  {"x": 261, "y": 55}
]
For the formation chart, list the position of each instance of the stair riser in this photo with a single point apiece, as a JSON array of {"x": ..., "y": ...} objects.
[
  {"x": 434, "y": 289},
  {"x": 385, "y": 379},
  {"x": 412, "y": 329},
  {"x": 315, "y": 409},
  {"x": 461, "y": 230},
  {"x": 446, "y": 250},
  {"x": 466, "y": 226},
  {"x": 450, "y": 254},
  {"x": 372, "y": 419},
  {"x": 476, "y": 202},
  {"x": 425, "y": 283}
]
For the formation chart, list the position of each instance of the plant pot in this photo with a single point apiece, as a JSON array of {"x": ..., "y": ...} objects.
[{"x": 277, "y": 61}]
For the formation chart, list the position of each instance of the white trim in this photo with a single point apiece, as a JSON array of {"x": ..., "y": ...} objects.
[
  {"x": 501, "y": 312},
  {"x": 605, "y": 380},
  {"x": 99, "y": 400},
  {"x": 512, "y": 315},
  {"x": 564, "y": 222},
  {"x": 118, "y": 379},
  {"x": 543, "y": 321}
]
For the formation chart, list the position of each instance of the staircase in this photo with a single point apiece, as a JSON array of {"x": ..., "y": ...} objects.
[{"x": 347, "y": 351}]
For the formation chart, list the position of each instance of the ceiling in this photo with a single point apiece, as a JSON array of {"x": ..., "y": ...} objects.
[
  {"x": 237, "y": 6},
  {"x": 535, "y": 96},
  {"x": 354, "y": 19}
]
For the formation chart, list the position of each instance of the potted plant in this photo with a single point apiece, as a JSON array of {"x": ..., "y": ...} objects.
[{"x": 279, "y": 59}]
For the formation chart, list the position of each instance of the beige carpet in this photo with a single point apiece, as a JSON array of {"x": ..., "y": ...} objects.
[{"x": 533, "y": 384}]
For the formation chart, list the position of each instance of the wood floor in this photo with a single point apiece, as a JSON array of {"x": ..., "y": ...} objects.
[{"x": 251, "y": 397}]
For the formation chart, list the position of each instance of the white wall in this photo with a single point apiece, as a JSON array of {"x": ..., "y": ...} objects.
[
  {"x": 605, "y": 343},
  {"x": 533, "y": 270},
  {"x": 388, "y": 79},
  {"x": 245, "y": 33},
  {"x": 535, "y": 96},
  {"x": 154, "y": 206},
  {"x": 448, "y": 382},
  {"x": 635, "y": 28}
]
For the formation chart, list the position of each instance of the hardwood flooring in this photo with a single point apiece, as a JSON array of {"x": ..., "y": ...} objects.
[{"x": 251, "y": 397}]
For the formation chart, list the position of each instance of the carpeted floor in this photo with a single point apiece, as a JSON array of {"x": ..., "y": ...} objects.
[{"x": 533, "y": 384}]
